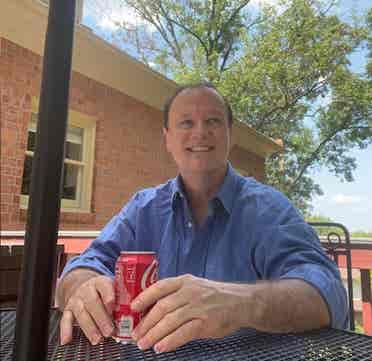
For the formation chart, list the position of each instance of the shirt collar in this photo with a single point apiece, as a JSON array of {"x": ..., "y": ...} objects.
[
  {"x": 225, "y": 194},
  {"x": 227, "y": 190},
  {"x": 177, "y": 190}
]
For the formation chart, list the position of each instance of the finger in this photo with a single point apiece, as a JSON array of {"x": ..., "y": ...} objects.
[
  {"x": 186, "y": 333},
  {"x": 86, "y": 322},
  {"x": 155, "y": 292},
  {"x": 105, "y": 288},
  {"x": 161, "y": 308},
  {"x": 66, "y": 326},
  {"x": 96, "y": 309},
  {"x": 169, "y": 323}
]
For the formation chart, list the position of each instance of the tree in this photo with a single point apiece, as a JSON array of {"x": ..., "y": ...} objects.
[
  {"x": 285, "y": 70},
  {"x": 369, "y": 43},
  {"x": 322, "y": 230}
]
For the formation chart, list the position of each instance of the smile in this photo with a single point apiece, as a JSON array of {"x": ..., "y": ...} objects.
[{"x": 200, "y": 149}]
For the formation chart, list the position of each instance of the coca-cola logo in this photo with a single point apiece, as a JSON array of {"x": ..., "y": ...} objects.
[
  {"x": 122, "y": 296},
  {"x": 150, "y": 276}
]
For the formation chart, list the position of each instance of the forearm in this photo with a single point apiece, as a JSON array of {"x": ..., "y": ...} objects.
[
  {"x": 282, "y": 306},
  {"x": 68, "y": 285}
]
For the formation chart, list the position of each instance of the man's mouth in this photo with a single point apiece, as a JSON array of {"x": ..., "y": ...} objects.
[{"x": 198, "y": 149}]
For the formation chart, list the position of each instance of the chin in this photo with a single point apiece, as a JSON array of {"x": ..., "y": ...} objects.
[{"x": 204, "y": 167}]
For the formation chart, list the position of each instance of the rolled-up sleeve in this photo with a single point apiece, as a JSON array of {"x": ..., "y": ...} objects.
[
  {"x": 293, "y": 251},
  {"x": 329, "y": 287},
  {"x": 117, "y": 235}
]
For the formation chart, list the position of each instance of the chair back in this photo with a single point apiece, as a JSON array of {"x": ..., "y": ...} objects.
[
  {"x": 335, "y": 238},
  {"x": 11, "y": 262}
]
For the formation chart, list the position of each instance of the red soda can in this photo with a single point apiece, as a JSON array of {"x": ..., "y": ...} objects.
[{"x": 134, "y": 271}]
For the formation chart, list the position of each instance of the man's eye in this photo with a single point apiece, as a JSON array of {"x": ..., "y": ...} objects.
[
  {"x": 214, "y": 121},
  {"x": 185, "y": 124}
]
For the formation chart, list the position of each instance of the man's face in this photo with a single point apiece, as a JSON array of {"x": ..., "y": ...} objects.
[{"x": 198, "y": 134}]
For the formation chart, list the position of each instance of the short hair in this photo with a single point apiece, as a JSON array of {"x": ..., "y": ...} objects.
[{"x": 199, "y": 85}]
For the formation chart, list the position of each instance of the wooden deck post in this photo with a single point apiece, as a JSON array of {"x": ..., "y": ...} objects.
[{"x": 365, "y": 278}]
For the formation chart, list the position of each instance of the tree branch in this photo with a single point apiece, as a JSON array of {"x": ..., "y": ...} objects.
[
  {"x": 226, "y": 56},
  {"x": 316, "y": 152},
  {"x": 144, "y": 12},
  {"x": 232, "y": 17},
  {"x": 165, "y": 14},
  {"x": 171, "y": 30},
  {"x": 266, "y": 117},
  {"x": 213, "y": 14}
]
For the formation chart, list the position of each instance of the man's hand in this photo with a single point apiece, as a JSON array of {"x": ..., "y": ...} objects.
[
  {"x": 91, "y": 304},
  {"x": 184, "y": 308},
  {"x": 187, "y": 308}
]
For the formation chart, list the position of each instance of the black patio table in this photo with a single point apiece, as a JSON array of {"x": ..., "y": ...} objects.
[{"x": 325, "y": 345}]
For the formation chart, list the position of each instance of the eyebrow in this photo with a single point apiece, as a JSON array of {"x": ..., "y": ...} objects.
[
  {"x": 185, "y": 115},
  {"x": 212, "y": 115}
]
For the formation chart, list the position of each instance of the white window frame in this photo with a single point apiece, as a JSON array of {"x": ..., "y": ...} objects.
[{"x": 85, "y": 177}]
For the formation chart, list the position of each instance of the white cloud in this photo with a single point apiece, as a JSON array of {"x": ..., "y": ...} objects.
[
  {"x": 108, "y": 23},
  {"x": 123, "y": 15},
  {"x": 346, "y": 199}
]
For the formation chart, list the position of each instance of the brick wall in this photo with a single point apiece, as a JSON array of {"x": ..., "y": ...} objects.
[
  {"x": 251, "y": 163},
  {"x": 128, "y": 154}
]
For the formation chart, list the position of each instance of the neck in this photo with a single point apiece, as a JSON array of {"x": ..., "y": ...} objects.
[{"x": 200, "y": 188}]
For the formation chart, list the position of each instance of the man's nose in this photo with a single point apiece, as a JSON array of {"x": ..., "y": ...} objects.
[{"x": 201, "y": 129}]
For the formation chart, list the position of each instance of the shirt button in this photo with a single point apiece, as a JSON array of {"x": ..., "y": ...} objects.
[{"x": 189, "y": 224}]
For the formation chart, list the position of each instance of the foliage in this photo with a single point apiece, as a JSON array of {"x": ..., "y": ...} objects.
[
  {"x": 369, "y": 42},
  {"x": 359, "y": 327},
  {"x": 323, "y": 230},
  {"x": 285, "y": 70},
  {"x": 318, "y": 218},
  {"x": 326, "y": 230},
  {"x": 361, "y": 234}
]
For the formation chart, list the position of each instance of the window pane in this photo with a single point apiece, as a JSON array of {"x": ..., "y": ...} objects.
[
  {"x": 74, "y": 143},
  {"x": 70, "y": 181},
  {"x": 31, "y": 141},
  {"x": 74, "y": 139},
  {"x": 26, "y": 181},
  {"x": 73, "y": 151}
]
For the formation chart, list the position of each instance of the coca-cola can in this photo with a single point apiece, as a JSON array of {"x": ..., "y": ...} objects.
[{"x": 134, "y": 271}]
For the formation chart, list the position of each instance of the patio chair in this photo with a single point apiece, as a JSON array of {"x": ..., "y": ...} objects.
[
  {"x": 335, "y": 239},
  {"x": 11, "y": 261}
]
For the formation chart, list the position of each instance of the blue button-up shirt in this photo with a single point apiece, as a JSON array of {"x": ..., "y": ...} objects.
[{"x": 252, "y": 232}]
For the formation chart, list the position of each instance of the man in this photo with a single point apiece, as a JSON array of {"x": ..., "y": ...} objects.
[{"x": 233, "y": 253}]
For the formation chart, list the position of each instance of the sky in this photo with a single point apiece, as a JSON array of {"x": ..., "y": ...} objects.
[
  {"x": 348, "y": 203},
  {"x": 343, "y": 202}
]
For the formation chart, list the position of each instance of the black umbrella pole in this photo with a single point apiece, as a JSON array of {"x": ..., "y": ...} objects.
[{"x": 34, "y": 300}]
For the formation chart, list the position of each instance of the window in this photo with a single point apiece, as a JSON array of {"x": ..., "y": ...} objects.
[{"x": 78, "y": 164}]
